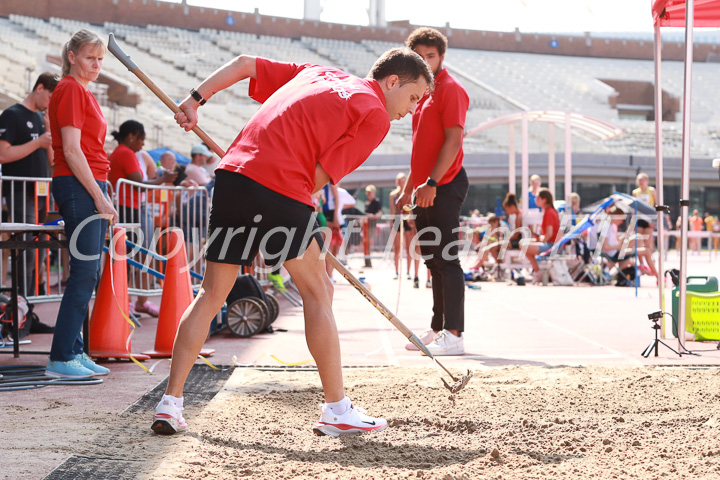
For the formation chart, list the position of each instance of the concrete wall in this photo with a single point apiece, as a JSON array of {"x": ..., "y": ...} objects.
[{"x": 143, "y": 12}]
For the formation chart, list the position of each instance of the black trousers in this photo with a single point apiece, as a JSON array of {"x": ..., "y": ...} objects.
[{"x": 438, "y": 230}]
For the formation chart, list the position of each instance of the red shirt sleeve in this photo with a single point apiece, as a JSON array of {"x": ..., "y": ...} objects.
[
  {"x": 70, "y": 111},
  {"x": 271, "y": 75},
  {"x": 551, "y": 218},
  {"x": 356, "y": 145},
  {"x": 455, "y": 104}
]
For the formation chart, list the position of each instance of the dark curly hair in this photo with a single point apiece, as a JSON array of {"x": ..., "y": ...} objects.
[{"x": 429, "y": 37}]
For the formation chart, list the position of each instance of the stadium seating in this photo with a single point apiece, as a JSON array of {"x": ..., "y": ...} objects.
[{"x": 498, "y": 83}]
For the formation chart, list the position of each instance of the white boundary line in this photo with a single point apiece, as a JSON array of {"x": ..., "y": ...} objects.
[
  {"x": 382, "y": 327},
  {"x": 614, "y": 352},
  {"x": 522, "y": 357}
]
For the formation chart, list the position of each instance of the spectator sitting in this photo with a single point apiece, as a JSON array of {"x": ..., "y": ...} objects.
[
  {"x": 168, "y": 162},
  {"x": 611, "y": 247},
  {"x": 614, "y": 242},
  {"x": 487, "y": 242},
  {"x": 514, "y": 221},
  {"x": 550, "y": 231},
  {"x": 574, "y": 207},
  {"x": 200, "y": 155}
]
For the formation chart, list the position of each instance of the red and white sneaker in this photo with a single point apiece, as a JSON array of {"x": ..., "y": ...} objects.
[
  {"x": 355, "y": 420},
  {"x": 168, "y": 418}
]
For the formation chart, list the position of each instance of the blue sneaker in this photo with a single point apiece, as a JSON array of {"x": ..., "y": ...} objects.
[
  {"x": 88, "y": 363},
  {"x": 71, "y": 369}
]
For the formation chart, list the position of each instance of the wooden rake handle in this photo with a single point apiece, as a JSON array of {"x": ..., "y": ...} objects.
[{"x": 125, "y": 59}]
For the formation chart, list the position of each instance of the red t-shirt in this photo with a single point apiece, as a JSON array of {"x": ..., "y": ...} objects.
[
  {"x": 446, "y": 107},
  {"x": 124, "y": 161},
  {"x": 72, "y": 105},
  {"x": 551, "y": 218},
  {"x": 310, "y": 114}
]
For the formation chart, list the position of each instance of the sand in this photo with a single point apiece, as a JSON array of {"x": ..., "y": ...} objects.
[
  {"x": 524, "y": 422},
  {"x": 511, "y": 422}
]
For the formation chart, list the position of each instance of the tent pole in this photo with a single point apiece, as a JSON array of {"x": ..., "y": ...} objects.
[
  {"x": 525, "y": 165},
  {"x": 685, "y": 172},
  {"x": 551, "y": 160},
  {"x": 659, "y": 180},
  {"x": 511, "y": 159},
  {"x": 568, "y": 160}
]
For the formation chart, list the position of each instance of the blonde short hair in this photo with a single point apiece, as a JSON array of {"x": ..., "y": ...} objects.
[{"x": 370, "y": 188}]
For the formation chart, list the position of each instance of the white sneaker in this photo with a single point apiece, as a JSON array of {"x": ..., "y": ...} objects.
[
  {"x": 445, "y": 343},
  {"x": 355, "y": 420},
  {"x": 168, "y": 418},
  {"x": 426, "y": 337}
]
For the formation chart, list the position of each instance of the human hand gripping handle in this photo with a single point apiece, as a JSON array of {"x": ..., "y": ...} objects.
[
  {"x": 187, "y": 117},
  {"x": 106, "y": 210},
  {"x": 182, "y": 118}
]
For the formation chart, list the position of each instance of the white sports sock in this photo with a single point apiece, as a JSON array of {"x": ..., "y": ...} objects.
[
  {"x": 178, "y": 401},
  {"x": 339, "y": 408}
]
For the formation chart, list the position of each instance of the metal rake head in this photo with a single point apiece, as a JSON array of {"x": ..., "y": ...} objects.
[{"x": 459, "y": 382}]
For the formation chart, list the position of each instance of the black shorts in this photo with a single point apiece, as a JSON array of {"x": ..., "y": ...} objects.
[
  {"x": 247, "y": 217},
  {"x": 643, "y": 223}
]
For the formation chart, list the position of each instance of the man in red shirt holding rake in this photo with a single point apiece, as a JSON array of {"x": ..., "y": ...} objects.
[{"x": 316, "y": 124}]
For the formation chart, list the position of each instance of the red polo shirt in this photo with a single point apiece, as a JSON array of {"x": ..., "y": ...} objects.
[
  {"x": 73, "y": 106},
  {"x": 446, "y": 107},
  {"x": 310, "y": 114}
]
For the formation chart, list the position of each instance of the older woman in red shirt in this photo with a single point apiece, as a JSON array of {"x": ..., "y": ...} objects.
[{"x": 79, "y": 188}]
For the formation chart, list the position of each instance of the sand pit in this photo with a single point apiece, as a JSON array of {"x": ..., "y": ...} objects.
[{"x": 524, "y": 422}]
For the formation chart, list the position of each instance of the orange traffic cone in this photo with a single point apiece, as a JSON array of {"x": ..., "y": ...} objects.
[
  {"x": 176, "y": 297},
  {"x": 109, "y": 327}
]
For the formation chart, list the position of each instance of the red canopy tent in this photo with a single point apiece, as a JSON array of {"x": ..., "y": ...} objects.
[
  {"x": 671, "y": 13},
  {"x": 688, "y": 14}
]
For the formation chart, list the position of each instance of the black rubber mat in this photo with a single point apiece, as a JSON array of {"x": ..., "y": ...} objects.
[
  {"x": 83, "y": 468},
  {"x": 203, "y": 383}
]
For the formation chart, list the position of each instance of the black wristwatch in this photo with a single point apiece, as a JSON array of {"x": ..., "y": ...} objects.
[
  {"x": 194, "y": 93},
  {"x": 431, "y": 182}
]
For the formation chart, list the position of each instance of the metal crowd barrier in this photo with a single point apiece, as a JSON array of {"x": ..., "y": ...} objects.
[
  {"x": 147, "y": 212},
  {"x": 28, "y": 200}
]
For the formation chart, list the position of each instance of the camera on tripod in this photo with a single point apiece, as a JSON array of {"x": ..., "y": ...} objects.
[{"x": 655, "y": 316}]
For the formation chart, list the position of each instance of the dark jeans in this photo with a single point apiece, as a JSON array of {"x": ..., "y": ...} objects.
[
  {"x": 23, "y": 211},
  {"x": 441, "y": 257},
  {"x": 85, "y": 239}
]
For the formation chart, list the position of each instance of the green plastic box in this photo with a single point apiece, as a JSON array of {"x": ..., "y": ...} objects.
[{"x": 694, "y": 284}]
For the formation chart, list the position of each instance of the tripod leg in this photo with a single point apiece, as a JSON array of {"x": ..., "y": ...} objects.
[{"x": 646, "y": 352}]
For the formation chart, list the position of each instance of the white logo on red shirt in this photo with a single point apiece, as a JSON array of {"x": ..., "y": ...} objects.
[{"x": 329, "y": 79}]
